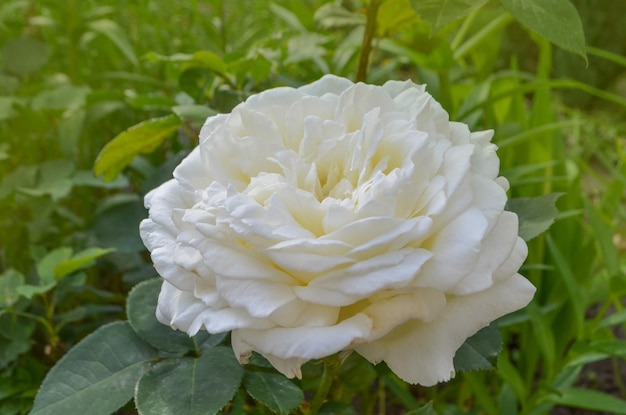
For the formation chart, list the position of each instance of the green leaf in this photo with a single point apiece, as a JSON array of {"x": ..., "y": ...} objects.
[
  {"x": 589, "y": 399},
  {"x": 10, "y": 280},
  {"x": 80, "y": 260},
  {"x": 123, "y": 211},
  {"x": 98, "y": 375},
  {"x": 64, "y": 97},
  {"x": 46, "y": 265},
  {"x": 287, "y": 16},
  {"x": 29, "y": 291},
  {"x": 604, "y": 236},
  {"x": 141, "y": 307},
  {"x": 438, "y": 13},
  {"x": 87, "y": 178},
  {"x": 333, "y": 15},
  {"x": 575, "y": 294},
  {"x": 535, "y": 214},
  {"x": 305, "y": 47},
  {"x": 394, "y": 15},
  {"x": 480, "y": 351},
  {"x": 141, "y": 138},
  {"x": 207, "y": 60},
  {"x": 24, "y": 55},
  {"x": 273, "y": 390},
  {"x": 190, "y": 386},
  {"x": 14, "y": 338},
  {"x": 114, "y": 33},
  {"x": 618, "y": 317},
  {"x": 556, "y": 20}
]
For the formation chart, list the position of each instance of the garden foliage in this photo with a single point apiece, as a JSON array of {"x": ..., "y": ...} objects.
[{"x": 100, "y": 100}]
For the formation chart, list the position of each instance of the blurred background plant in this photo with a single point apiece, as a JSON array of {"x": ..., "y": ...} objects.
[{"x": 75, "y": 74}]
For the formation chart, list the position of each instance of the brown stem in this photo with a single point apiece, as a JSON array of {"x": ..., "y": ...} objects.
[{"x": 368, "y": 37}]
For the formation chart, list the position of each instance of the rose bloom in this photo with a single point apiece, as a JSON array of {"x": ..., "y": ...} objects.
[{"x": 338, "y": 216}]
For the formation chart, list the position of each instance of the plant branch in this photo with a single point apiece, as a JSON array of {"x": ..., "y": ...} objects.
[{"x": 368, "y": 37}]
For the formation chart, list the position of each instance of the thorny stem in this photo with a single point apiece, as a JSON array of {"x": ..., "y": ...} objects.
[{"x": 368, "y": 37}]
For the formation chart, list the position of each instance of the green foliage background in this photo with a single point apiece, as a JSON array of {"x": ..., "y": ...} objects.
[{"x": 76, "y": 74}]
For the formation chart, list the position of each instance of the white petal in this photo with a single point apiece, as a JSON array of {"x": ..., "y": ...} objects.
[
  {"x": 310, "y": 255},
  {"x": 423, "y": 353},
  {"x": 191, "y": 173},
  {"x": 288, "y": 367},
  {"x": 343, "y": 287},
  {"x": 308, "y": 342},
  {"x": 298, "y": 313},
  {"x": 496, "y": 249},
  {"x": 456, "y": 249},
  {"x": 387, "y": 313},
  {"x": 259, "y": 298},
  {"x": 165, "y": 264},
  {"x": 513, "y": 262},
  {"x": 181, "y": 310},
  {"x": 328, "y": 84},
  {"x": 233, "y": 263}
]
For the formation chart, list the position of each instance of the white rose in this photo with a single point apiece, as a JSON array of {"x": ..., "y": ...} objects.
[{"x": 338, "y": 216}]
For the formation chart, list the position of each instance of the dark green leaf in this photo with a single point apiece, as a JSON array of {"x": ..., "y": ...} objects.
[
  {"x": 190, "y": 386},
  {"x": 98, "y": 375},
  {"x": 535, "y": 214},
  {"x": 123, "y": 215},
  {"x": 438, "y": 13},
  {"x": 141, "y": 138},
  {"x": 556, "y": 20},
  {"x": 141, "y": 307},
  {"x": 273, "y": 390},
  {"x": 24, "y": 55},
  {"x": 480, "y": 351},
  {"x": 14, "y": 337}
]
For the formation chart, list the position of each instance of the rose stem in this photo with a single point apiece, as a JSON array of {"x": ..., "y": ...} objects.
[
  {"x": 330, "y": 368},
  {"x": 368, "y": 37}
]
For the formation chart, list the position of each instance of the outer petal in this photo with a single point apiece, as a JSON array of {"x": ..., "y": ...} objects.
[
  {"x": 182, "y": 310},
  {"x": 308, "y": 342},
  {"x": 422, "y": 352}
]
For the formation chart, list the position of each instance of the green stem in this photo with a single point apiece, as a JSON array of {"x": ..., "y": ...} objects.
[
  {"x": 368, "y": 37},
  {"x": 330, "y": 369},
  {"x": 49, "y": 328}
]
